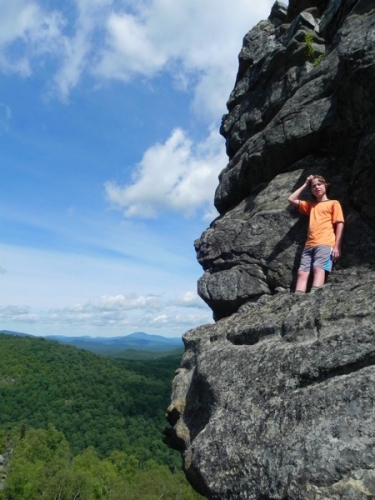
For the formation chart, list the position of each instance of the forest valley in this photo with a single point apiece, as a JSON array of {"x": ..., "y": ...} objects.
[{"x": 78, "y": 426}]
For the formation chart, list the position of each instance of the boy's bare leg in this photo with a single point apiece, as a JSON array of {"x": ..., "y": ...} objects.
[
  {"x": 302, "y": 279},
  {"x": 319, "y": 277}
]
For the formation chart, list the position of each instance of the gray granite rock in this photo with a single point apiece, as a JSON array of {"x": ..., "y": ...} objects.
[{"x": 275, "y": 401}]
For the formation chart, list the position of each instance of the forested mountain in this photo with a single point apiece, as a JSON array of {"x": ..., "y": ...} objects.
[
  {"x": 85, "y": 426},
  {"x": 107, "y": 403}
]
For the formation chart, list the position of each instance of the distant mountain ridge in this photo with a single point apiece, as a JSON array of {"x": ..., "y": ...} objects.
[{"x": 139, "y": 341}]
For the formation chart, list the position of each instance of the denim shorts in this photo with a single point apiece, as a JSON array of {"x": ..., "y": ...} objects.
[{"x": 319, "y": 256}]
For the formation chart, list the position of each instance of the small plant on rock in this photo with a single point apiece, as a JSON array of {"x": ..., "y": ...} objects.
[
  {"x": 317, "y": 60},
  {"x": 310, "y": 51}
]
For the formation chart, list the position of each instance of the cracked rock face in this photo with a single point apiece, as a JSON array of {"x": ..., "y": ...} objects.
[
  {"x": 280, "y": 398},
  {"x": 275, "y": 400}
]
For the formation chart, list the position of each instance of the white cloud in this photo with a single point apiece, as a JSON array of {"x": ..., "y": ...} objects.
[
  {"x": 18, "y": 314},
  {"x": 79, "y": 294},
  {"x": 129, "y": 52},
  {"x": 182, "y": 320},
  {"x": 35, "y": 30},
  {"x": 163, "y": 318},
  {"x": 175, "y": 175},
  {"x": 106, "y": 311},
  {"x": 189, "y": 299},
  {"x": 111, "y": 315},
  {"x": 195, "y": 42},
  {"x": 120, "y": 310},
  {"x": 178, "y": 37},
  {"x": 78, "y": 50},
  {"x": 118, "y": 303},
  {"x": 74, "y": 54}
]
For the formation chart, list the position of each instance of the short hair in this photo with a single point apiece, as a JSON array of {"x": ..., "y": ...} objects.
[{"x": 323, "y": 181}]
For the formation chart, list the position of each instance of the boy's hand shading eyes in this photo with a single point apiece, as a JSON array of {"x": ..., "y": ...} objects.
[{"x": 309, "y": 179}]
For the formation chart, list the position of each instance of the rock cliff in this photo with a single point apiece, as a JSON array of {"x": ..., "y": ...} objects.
[{"x": 275, "y": 401}]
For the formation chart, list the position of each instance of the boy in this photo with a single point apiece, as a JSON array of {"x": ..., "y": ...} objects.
[{"x": 326, "y": 226}]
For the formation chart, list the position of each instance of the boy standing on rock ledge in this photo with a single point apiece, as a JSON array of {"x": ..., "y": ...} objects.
[{"x": 326, "y": 227}]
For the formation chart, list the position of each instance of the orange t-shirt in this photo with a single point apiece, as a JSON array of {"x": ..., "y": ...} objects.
[{"x": 323, "y": 217}]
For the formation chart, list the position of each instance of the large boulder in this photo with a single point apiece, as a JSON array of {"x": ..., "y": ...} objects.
[{"x": 275, "y": 400}]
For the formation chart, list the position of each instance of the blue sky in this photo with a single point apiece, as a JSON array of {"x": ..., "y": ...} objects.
[{"x": 110, "y": 152}]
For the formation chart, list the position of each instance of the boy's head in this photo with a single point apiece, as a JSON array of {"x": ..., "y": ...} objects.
[{"x": 319, "y": 186}]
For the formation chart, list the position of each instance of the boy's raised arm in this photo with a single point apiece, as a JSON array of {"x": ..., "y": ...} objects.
[{"x": 294, "y": 197}]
